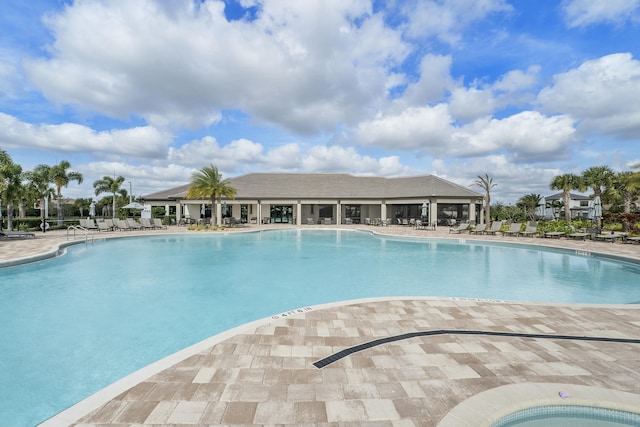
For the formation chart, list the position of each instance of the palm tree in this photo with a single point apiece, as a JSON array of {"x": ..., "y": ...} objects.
[
  {"x": 598, "y": 178},
  {"x": 207, "y": 183},
  {"x": 486, "y": 183},
  {"x": 566, "y": 183},
  {"x": 109, "y": 185},
  {"x": 39, "y": 179},
  {"x": 530, "y": 202},
  {"x": 10, "y": 183},
  {"x": 61, "y": 178}
]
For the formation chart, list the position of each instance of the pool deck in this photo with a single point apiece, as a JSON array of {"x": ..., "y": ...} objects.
[{"x": 440, "y": 361}]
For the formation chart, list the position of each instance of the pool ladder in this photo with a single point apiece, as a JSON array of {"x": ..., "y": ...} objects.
[{"x": 88, "y": 236}]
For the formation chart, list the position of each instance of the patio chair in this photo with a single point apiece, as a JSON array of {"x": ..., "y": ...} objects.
[
  {"x": 7, "y": 234},
  {"x": 133, "y": 224},
  {"x": 327, "y": 221},
  {"x": 496, "y": 226},
  {"x": 310, "y": 221},
  {"x": 104, "y": 226},
  {"x": 514, "y": 229},
  {"x": 121, "y": 224},
  {"x": 583, "y": 234},
  {"x": 88, "y": 223},
  {"x": 480, "y": 229},
  {"x": 157, "y": 223},
  {"x": 464, "y": 226},
  {"x": 553, "y": 234},
  {"x": 146, "y": 223},
  {"x": 530, "y": 230}
]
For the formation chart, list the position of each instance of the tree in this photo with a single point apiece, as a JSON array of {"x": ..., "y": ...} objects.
[
  {"x": 623, "y": 190},
  {"x": 566, "y": 183},
  {"x": 529, "y": 203},
  {"x": 207, "y": 183},
  {"x": 61, "y": 178},
  {"x": 598, "y": 178},
  {"x": 10, "y": 184},
  {"x": 39, "y": 180},
  {"x": 109, "y": 185},
  {"x": 486, "y": 183}
]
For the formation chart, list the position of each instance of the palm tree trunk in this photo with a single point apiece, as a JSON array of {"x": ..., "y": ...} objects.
[
  {"x": 22, "y": 210},
  {"x": 10, "y": 215},
  {"x": 487, "y": 212},
  {"x": 567, "y": 209},
  {"x": 114, "y": 206},
  {"x": 59, "y": 204}
]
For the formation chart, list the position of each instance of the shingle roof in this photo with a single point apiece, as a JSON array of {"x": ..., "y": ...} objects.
[{"x": 322, "y": 186}]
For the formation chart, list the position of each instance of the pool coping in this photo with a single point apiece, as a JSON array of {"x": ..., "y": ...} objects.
[{"x": 490, "y": 406}]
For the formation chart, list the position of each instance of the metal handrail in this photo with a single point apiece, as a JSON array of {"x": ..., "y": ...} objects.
[{"x": 75, "y": 228}]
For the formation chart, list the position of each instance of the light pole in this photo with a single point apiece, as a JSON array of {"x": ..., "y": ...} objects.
[{"x": 130, "y": 192}]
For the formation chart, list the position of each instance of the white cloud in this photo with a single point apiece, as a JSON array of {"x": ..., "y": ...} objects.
[
  {"x": 207, "y": 150},
  {"x": 183, "y": 65},
  {"x": 527, "y": 136},
  {"x": 412, "y": 128},
  {"x": 472, "y": 103},
  {"x": 447, "y": 19},
  {"x": 604, "y": 94},
  {"x": 338, "y": 159},
  {"x": 435, "y": 80},
  {"x": 143, "y": 141},
  {"x": 581, "y": 13}
]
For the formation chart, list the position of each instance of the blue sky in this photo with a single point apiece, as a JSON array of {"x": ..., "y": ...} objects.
[{"x": 153, "y": 90}]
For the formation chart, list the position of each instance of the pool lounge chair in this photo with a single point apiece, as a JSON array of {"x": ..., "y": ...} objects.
[
  {"x": 553, "y": 234},
  {"x": 610, "y": 237},
  {"x": 479, "y": 229},
  {"x": 157, "y": 223},
  {"x": 88, "y": 223},
  {"x": 464, "y": 226},
  {"x": 530, "y": 230},
  {"x": 104, "y": 226},
  {"x": 633, "y": 239},
  {"x": 121, "y": 224},
  {"x": 6, "y": 234},
  {"x": 147, "y": 224},
  {"x": 514, "y": 229},
  {"x": 496, "y": 226},
  {"x": 133, "y": 224}
]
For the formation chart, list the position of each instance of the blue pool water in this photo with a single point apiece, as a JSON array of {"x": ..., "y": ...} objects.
[
  {"x": 74, "y": 324},
  {"x": 569, "y": 416}
]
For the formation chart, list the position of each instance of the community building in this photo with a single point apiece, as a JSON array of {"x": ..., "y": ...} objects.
[{"x": 328, "y": 199}]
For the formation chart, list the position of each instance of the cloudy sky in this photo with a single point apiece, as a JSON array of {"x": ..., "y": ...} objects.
[{"x": 155, "y": 89}]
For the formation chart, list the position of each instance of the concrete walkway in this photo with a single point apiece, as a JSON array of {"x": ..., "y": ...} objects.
[{"x": 264, "y": 374}]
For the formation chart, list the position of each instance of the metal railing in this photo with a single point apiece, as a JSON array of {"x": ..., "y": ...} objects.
[{"x": 75, "y": 228}]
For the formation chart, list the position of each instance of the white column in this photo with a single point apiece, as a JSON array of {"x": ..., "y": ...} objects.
[
  {"x": 299, "y": 213},
  {"x": 472, "y": 213},
  {"x": 383, "y": 210},
  {"x": 338, "y": 213},
  {"x": 433, "y": 212},
  {"x": 218, "y": 214}
]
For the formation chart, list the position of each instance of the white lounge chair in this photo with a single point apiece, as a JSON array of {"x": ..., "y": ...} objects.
[
  {"x": 496, "y": 226},
  {"x": 514, "y": 229},
  {"x": 464, "y": 226}
]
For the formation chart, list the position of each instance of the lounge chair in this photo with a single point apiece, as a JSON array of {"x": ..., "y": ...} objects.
[
  {"x": 610, "y": 237},
  {"x": 464, "y": 226},
  {"x": 530, "y": 230},
  {"x": 104, "y": 226},
  {"x": 7, "y": 234},
  {"x": 514, "y": 229},
  {"x": 479, "y": 229},
  {"x": 157, "y": 223},
  {"x": 633, "y": 239},
  {"x": 583, "y": 234},
  {"x": 133, "y": 224},
  {"x": 310, "y": 221},
  {"x": 496, "y": 226},
  {"x": 121, "y": 224},
  {"x": 327, "y": 221},
  {"x": 553, "y": 234},
  {"x": 88, "y": 223},
  {"x": 147, "y": 224}
]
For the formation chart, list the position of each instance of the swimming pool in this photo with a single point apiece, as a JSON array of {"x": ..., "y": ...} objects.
[
  {"x": 77, "y": 323},
  {"x": 568, "y": 416}
]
